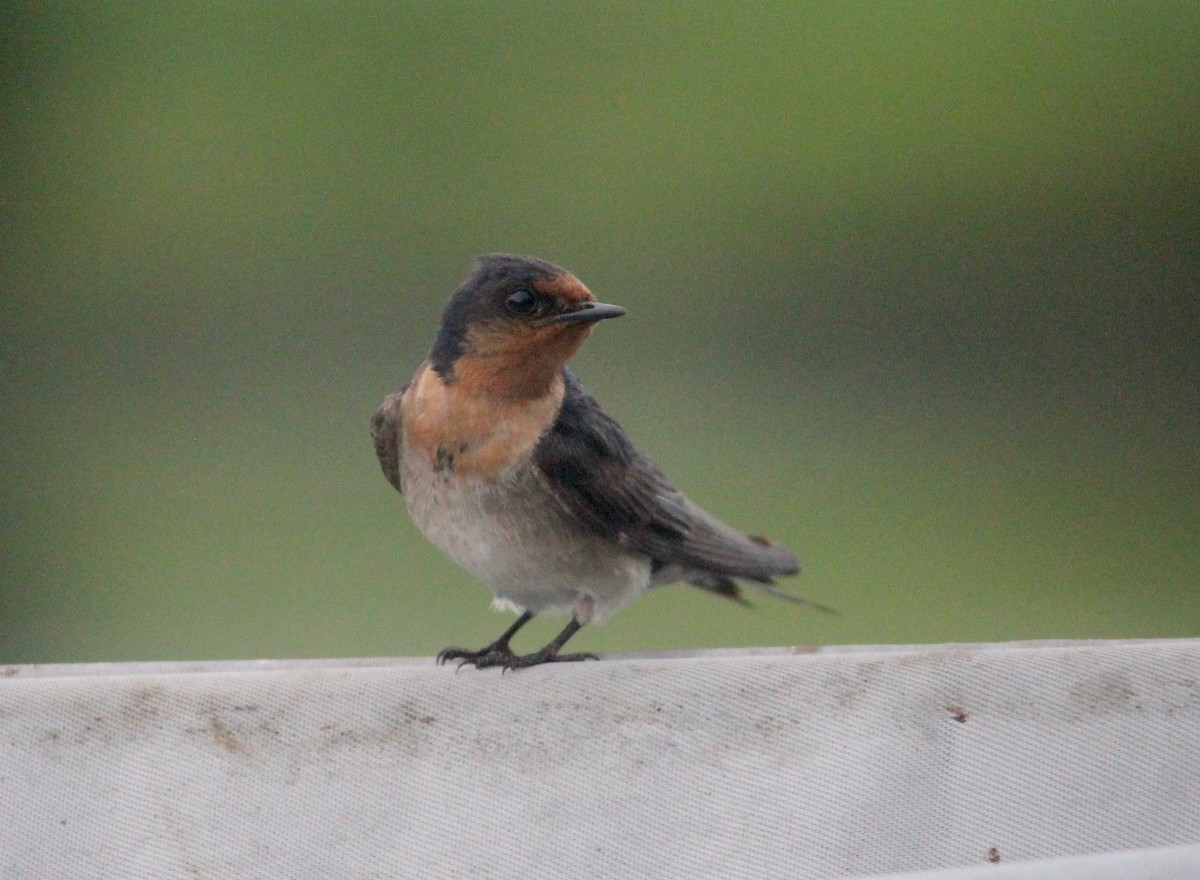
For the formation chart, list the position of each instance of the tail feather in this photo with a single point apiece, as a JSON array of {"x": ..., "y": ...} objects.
[
  {"x": 720, "y": 585},
  {"x": 714, "y": 557},
  {"x": 727, "y": 587},
  {"x": 798, "y": 600},
  {"x": 712, "y": 546}
]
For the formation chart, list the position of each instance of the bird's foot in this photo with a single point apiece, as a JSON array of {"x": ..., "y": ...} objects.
[
  {"x": 493, "y": 655},
  {"x": 539, "y": 657},
  {"x": 503, "y": 656},
  {"x": 498, "y": 653}
]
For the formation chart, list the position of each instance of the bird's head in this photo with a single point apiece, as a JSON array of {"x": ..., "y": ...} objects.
[{"x": 513, "y": 324}]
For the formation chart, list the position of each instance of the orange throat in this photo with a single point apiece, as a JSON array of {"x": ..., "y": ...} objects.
[{"x": 468, "y": 428}]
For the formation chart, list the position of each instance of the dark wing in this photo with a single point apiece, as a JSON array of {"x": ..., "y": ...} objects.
[
  {"x": 613, "y": 487},
  {"x": 385, "y": 431}
]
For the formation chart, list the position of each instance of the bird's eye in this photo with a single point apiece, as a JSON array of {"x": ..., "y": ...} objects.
[{"x": 522, "y": 302}]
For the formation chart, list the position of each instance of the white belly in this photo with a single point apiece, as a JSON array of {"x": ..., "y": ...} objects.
[{"x": 513, "y": 535}]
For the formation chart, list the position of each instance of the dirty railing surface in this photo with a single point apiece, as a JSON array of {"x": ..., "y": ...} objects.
[{"x": 767, "y": 764}]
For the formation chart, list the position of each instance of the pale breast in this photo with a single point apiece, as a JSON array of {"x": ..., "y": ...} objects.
[
  {"x": 512, "y": 533},
  {"x": 471, "y": 487}
]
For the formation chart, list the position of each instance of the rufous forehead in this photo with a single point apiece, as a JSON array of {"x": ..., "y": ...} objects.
[{"x": 566, "y": 287}]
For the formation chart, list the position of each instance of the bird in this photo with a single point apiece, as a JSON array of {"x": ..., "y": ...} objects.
[{"x": 510, "y": 467}]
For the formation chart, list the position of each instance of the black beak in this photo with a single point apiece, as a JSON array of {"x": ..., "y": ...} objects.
[{"x": 587, "y": 313}]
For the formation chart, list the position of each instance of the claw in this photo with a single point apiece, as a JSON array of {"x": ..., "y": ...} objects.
[
  {"x": 498, "y": 653},
  {"x": 540, "y": 657},
  {"x": 481, "y": 659}
]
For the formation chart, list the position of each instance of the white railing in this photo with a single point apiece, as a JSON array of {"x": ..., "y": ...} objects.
[{"x": 764, "y": 764}]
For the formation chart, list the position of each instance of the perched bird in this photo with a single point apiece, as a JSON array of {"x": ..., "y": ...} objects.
[{"x": 510, "y": 467}]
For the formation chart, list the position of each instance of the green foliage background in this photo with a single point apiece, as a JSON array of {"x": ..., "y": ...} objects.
[{"x": 914, "y": 288}]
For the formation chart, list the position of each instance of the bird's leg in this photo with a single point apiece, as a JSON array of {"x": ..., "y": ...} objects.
[
  {"x": 549, "y": 654},
  {"x": 498, "y": 653}
]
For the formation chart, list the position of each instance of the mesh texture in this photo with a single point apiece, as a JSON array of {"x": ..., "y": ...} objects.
[{"x": 835, "y": 763}]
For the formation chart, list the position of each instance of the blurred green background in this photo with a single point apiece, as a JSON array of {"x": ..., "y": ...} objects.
[{"x": 913, "y": 288}]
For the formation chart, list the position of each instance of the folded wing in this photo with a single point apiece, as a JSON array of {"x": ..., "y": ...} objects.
[
  {"x": 385, "y": 431},
  {"x": 621, "y": 494}
]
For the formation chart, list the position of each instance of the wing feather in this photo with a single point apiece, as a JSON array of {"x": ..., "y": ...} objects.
[
  {"x": 386, "y": 432},
  {"x": 621, "y": 494}
]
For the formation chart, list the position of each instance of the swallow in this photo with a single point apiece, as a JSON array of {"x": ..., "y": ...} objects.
[{"x": 510, "y": 467}]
